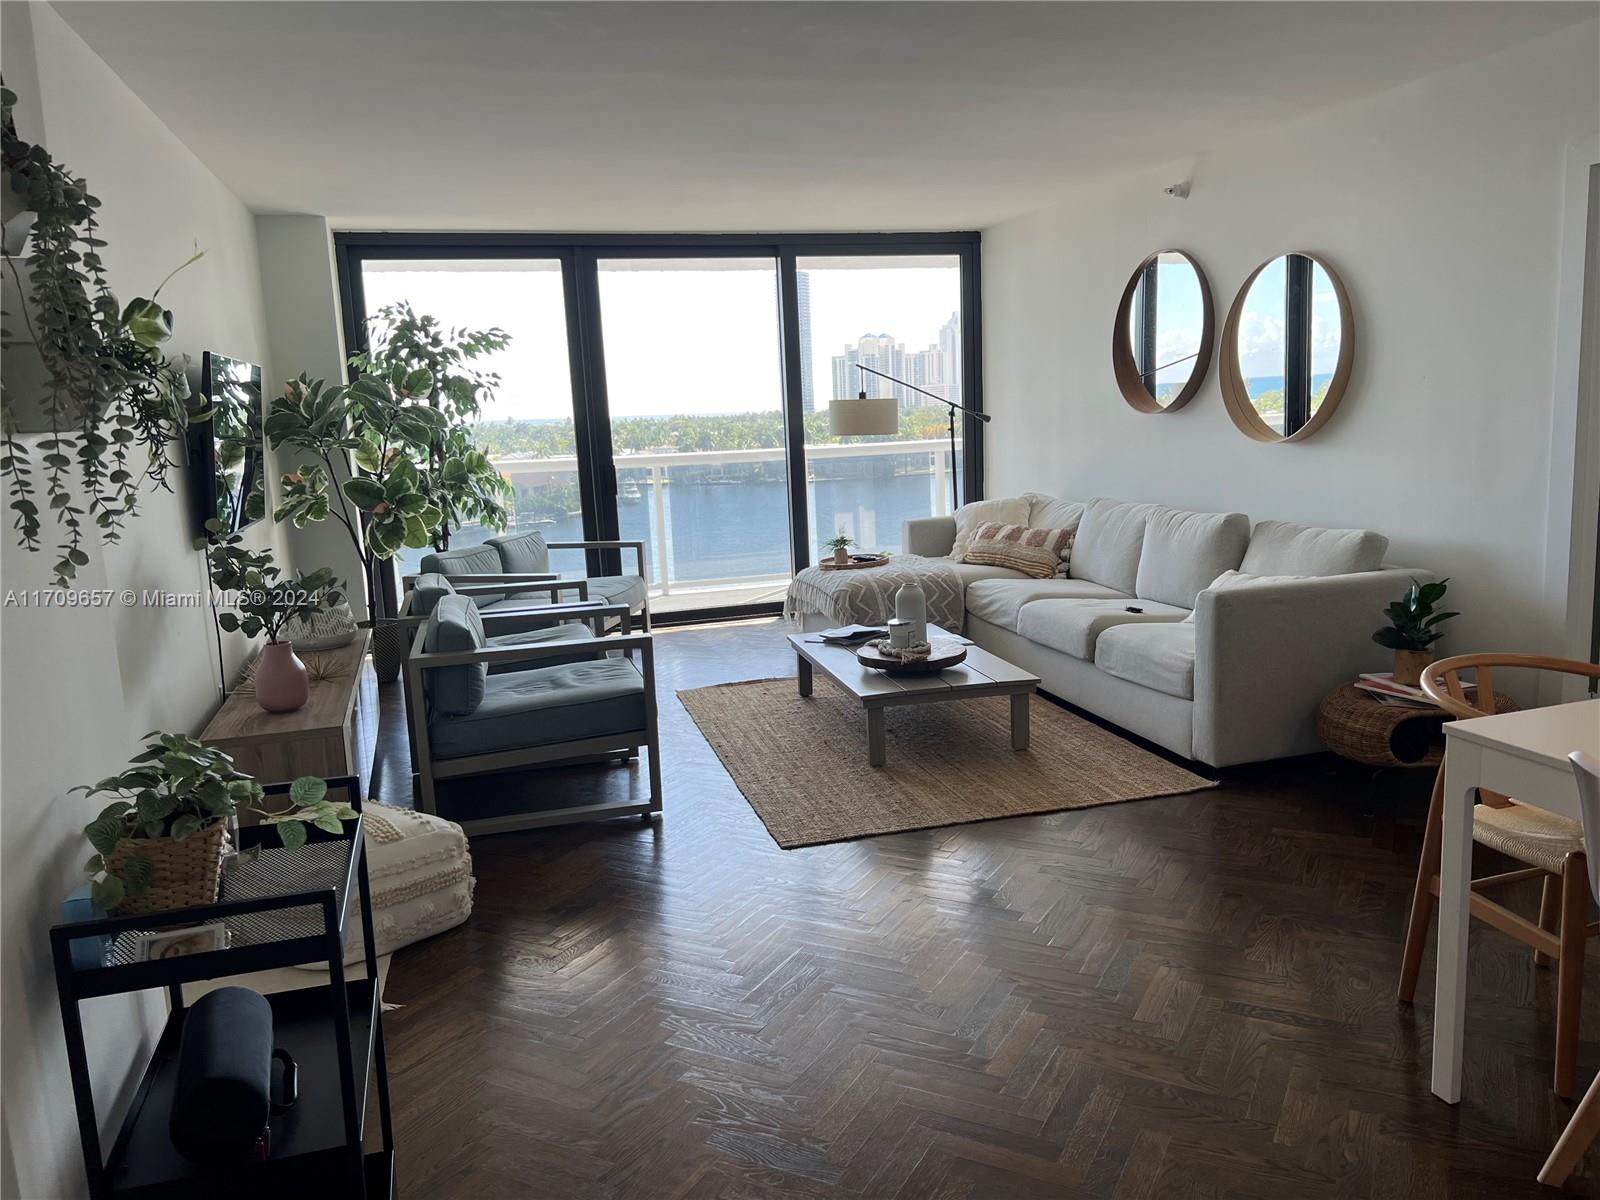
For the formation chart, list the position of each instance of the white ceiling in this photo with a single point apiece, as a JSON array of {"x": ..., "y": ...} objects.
[{"x": 742, "y": 116}]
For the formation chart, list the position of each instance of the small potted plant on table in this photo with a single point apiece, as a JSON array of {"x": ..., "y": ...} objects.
[
  {"x": 160, "y": 843},
  {"x": 266, "y": 602},
  {"x": 840, "y": 545},
  {"x": 1413, "y": 628}
]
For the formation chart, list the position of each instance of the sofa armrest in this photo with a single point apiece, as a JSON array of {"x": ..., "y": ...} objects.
[
  {"x": 1266, "y": 656},
  {"x": 931, "y": 537}
]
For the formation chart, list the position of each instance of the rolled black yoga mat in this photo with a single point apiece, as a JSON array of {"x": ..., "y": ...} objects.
[{"x": 223, "y": 1097}]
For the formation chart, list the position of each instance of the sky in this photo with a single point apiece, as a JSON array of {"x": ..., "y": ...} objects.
[{"x": 685, "y": 336}]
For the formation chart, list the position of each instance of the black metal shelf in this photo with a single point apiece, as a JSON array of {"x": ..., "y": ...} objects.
[{"x": 281, "y": 908}]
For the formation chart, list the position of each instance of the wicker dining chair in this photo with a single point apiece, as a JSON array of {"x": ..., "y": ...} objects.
[
  {"x": 1551, "y": 845},
  {"x": 1585, "y": 1123}
]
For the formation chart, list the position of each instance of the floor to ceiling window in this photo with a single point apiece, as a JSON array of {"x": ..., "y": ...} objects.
[{"x": 676, "y": 390}]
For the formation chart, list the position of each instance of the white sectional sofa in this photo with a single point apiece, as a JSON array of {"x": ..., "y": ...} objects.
[{"x": 1225, "y": 675}]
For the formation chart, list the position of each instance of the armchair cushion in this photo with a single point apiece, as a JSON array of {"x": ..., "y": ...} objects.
[
  {"x": 1184, "y": 551},
  {"x": 428, "y": 590},
  {"x": 546, "y": 706},
  {"x": 618, "y": 589},
  {"x": 454, "y": 625},
  {"x": 1284, "y": 548},
  {"x": 521, "y": 553},
  {"x": 466, "y": 560},
  {"x": 568, "y": 632}
]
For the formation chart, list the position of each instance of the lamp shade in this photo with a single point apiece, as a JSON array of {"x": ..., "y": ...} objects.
[{"x": 863, "y": 418}]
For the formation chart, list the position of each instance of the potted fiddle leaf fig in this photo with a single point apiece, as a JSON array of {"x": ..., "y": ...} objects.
[
  {"x": 160, "y": 843},
  {"x": 266, "y": 601},
  {"x": 466, "y": 487},
  {"x": 1413, "y": 629},
  {"x": 384, "y": 423}
]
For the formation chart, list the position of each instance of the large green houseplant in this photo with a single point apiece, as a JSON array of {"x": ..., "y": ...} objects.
[
  {"x": 466, "y": 487},
  {"x": 159, "y": 844},
  {"x": 84, "y": 370},
  {"x": 385, "y": 424}
]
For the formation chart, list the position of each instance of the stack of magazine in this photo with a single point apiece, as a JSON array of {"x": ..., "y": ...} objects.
[
  {"x": 851, "y": 635},
  {"x": 1382, "y": 686}
]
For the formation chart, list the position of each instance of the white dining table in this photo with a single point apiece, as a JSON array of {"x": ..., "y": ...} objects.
[{"x": 1518, "y": 754}]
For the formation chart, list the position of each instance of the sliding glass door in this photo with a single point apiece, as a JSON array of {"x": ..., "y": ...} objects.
[
  {"x": 675, "y": 390},
  {"x": 694, "y": 396}
]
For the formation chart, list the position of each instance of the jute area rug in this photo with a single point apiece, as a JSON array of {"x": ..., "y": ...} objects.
[{"x": 802, "y": 763}]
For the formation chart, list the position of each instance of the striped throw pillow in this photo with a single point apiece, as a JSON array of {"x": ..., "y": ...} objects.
[{"x": 1038, "y": 553}]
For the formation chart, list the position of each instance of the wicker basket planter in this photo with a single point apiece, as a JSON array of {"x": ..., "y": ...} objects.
[{"x": 186, "y": 873}]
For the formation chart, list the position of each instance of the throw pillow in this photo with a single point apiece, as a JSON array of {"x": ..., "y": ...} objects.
[
  {"x": 970, "y": 516},
  {"x": 1232, "y": 580},
  {"x": 1037, "y": 553}
]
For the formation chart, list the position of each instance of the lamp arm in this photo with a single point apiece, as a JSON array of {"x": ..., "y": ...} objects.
[{"x": 954, "y": 407}]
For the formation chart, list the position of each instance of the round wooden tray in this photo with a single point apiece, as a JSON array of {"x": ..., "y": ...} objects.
[
  {"x": 945, "y": 654},
  {"x": 828, "y": 564}
]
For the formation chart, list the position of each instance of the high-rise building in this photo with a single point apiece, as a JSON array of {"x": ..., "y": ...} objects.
[
  {"x": 878, "y": 351},
  {"x": 802, "y": 295},
  {"x": 950, "y": 353}
]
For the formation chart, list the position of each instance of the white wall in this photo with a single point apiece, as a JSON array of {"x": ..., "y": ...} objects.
[
  {"x": 79, "y": 687},
  {"x": 1440, "y": 203}
]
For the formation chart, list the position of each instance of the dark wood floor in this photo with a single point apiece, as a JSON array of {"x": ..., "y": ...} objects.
[{"x": 1180, "y": 997}]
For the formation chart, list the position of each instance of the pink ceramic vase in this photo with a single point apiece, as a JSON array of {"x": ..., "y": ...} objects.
[{"x": 282, "y": 684}]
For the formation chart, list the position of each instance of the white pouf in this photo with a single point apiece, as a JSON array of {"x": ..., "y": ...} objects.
[{"x": 420, "y": 869}]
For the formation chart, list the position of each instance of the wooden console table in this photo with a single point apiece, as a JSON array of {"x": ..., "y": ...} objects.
[{"x": 335, "y": 733}]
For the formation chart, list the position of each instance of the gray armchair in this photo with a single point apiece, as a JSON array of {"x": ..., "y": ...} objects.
[
  {"x": 476, "y": 708},
  {"x": 525, "y": 557}
]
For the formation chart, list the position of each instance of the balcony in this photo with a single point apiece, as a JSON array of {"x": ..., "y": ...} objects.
[{"x": 716, "y": 522}]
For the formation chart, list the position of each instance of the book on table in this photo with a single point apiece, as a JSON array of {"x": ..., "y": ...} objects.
[
  {"x": 1382, "y": 685},
  {"x": 849, "y": 635}
]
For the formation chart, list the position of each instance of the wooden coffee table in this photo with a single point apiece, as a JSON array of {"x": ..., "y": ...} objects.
[{"x": 982, "y": 674}]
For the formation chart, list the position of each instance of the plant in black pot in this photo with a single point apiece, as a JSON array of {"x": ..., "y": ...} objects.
[
  {"x": 1413, "y": 629},
  {"x": 160, "y": 843},
  {"x": 266, "y": 601}
]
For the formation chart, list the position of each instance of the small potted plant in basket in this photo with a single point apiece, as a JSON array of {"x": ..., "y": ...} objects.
[
  {"x": 160, "y": 843},
  {"x": 1413, "y": 629},
  {"x": 266, "y": 601},
  {"x": 840, "y": 545}
]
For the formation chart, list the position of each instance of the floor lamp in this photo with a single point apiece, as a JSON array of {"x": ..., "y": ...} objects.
[{"x": 865, "y": 417}]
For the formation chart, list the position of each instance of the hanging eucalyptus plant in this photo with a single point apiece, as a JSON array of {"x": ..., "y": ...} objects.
[{"x": 105, "y": 389}]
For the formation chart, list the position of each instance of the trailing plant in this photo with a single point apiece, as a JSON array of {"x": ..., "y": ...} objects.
[
  {"x": 266, "y": 599},
  {"x": 390, "y": 505},
  {"x": 466, "y": 485},
  {"x": 175, "y": 788},
  {"x": 1413, "y": 623},
  {"x": 107, "y": 388}
]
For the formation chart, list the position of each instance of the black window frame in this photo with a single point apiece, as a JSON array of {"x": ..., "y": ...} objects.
[{"x": 579, "y": 254}]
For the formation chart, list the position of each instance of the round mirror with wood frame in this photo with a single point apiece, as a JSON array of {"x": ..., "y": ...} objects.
[
  {"x": 1161, "y": 340},
  {"x": 1287, "y": 348}
]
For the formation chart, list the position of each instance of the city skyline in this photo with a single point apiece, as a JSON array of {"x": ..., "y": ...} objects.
[{"x": 936, "y": 369}]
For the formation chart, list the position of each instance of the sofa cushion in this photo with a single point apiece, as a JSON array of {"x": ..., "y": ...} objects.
[
  {"x": 970, "y": 516},
  {"x": 1073, "y": 626},
  {"x": 972, "y": 572},
  {"x": 615, "y": 589},
  {"x": 427, "y": 589},
  {"x": 466, "y": 560},
  {"x": 1284, "y": 548},
  {"x": 522, "y": 553},
  {"x": 454, "y": 625},
  {"x": 1229, "y": 580},
  {"x": 1106, "y": 549},
  {"x": 544, "y": 706},
  {"x": 1158, "y": 655},
  {"x": 1037, "y": 553},
  {"x": 1184, "y": 551},
  {"x": 998, "y": 601},
  {"x": 1046, "y": 512}
]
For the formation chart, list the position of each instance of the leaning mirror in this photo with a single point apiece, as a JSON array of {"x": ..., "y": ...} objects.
[
  {"x": 1161, "y": 341},
  {"x": 1287, "y": 346}
]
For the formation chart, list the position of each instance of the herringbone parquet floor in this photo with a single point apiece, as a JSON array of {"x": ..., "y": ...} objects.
[{"x": 1187, "y": 997}]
